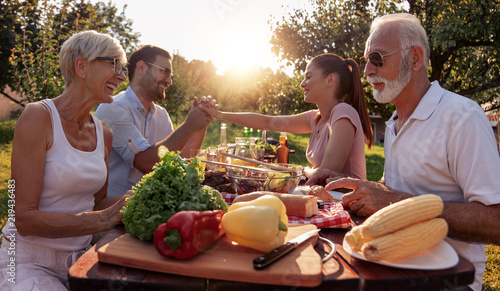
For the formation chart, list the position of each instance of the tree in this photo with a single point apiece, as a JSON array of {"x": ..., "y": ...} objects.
[
  {"x": 176, "y": 100},
  {"x": 8, "y": 31},
  {"x": 281, "y": 94},
  {"x": 333, "y": 26},
  {"x": 237, "y": 91},
  {"x": 36, "y": 30},
  {"x": 465, "y": 52},
  {"x": 34, "y": 56},
  {"x": 195, "y": 78},
  {"x": 463, "y": 36}
]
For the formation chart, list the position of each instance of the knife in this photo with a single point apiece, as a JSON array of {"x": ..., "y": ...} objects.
[{"x": 274, "y": 255}]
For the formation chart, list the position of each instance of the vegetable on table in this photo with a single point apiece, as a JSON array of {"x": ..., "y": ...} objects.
[
  {"x": 407, "y": 241},
  {"x": 174, "y": 185},
  {"x": 394, "y": 217},
  {"x": 260, "y": 224},
  {"x": 188, "y": 233},
  {"x": 277, "y": 182},
  {"x": 399, "y": 230}
]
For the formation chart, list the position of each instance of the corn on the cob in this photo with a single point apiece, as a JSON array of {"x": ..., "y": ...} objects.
[
  {"x": 407, "y": 241},
  {"x": 394, "y": 217}
]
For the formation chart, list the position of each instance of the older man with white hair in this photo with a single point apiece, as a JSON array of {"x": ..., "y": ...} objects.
[{"x": 436, "y": 142}]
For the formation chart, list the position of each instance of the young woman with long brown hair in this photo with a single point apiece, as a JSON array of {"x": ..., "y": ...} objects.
[{"x": 339, "y": 127}]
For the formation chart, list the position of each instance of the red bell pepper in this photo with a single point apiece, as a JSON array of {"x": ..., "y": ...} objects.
[{"x": 187, "y": 233}]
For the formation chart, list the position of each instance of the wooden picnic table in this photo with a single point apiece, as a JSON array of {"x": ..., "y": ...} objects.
[{"x": 341, "y": 272}]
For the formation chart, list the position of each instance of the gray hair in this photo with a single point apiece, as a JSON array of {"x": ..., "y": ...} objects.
[
  {"x": 88, "y": 45},
  {"x": 410, "y": 29}
]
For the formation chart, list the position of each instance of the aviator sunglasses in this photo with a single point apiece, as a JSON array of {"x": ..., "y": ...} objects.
[
  {"x": 117, "y": 65},
  {"x": 376, "y": 58}
]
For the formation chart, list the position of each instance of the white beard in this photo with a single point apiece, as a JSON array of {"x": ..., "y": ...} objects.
[{"x": 392, "y": 88}]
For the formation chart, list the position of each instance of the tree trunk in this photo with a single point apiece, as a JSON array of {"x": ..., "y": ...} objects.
[{"x": 11, "y": 98}]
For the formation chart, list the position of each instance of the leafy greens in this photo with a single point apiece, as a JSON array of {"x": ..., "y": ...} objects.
[{"x": 172, "y": 186}]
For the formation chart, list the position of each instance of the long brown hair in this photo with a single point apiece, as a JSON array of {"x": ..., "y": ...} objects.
[{"x": 350, "y": 89}]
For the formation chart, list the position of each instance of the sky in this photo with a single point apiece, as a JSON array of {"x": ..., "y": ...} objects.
[{"x": 230, "y": 33}]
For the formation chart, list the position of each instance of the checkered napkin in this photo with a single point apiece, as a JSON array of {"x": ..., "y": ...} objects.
[{"x": 332, "y": 215}]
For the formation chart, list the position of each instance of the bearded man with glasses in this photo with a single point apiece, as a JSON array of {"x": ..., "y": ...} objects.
[
  {"x": 435, "y": 142},
  {"x": 140, "y": 126}
]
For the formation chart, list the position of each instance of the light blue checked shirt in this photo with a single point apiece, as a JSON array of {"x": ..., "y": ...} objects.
[{"x": 126, "y": 117}]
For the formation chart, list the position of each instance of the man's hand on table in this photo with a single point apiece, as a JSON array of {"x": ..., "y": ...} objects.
[{"x": 367, "y": 197}]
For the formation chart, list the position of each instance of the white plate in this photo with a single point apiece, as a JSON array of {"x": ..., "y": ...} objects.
[
  {"x": 302, "y": 190},
  {"x": 442, "y": 256},
  {"x": 336, "y": 195}
]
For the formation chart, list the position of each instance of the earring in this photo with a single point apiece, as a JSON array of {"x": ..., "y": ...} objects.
[{"x": 83, "y": 76}]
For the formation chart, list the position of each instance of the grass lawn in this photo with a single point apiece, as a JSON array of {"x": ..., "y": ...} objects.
[{"x": 374, "y": 163}]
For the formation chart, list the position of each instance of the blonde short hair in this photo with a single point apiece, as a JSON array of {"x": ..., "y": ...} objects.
[
  {"x": 89, "y": 45},
  {"x": 410, "y": 29}
]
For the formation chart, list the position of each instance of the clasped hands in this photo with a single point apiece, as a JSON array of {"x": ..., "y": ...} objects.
[
  {"x": 199, "y": 116},
  {"x": 209, "y": 106}
]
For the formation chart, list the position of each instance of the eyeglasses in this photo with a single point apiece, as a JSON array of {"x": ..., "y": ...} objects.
[
  {"x": 165, "y": 72},
  {"x": 117, "y": 65},
  {"x": 376, "y": 58}
]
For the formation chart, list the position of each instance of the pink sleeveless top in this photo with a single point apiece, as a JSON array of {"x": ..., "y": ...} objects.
[{"x": 355, "y": 165}]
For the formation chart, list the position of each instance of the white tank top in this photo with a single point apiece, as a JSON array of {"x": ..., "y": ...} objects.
[{"x": 71, "y": 178}]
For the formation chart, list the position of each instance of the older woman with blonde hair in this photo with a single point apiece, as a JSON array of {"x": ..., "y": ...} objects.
[{"x": 60, "y": 168}]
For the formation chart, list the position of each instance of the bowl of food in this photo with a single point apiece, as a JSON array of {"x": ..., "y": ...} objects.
[{"x": 261, "y": 179}]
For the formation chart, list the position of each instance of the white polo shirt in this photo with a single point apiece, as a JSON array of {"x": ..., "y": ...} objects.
[
  {"x": 126, "y": 117},
  {"x": 447, "y": 147}
]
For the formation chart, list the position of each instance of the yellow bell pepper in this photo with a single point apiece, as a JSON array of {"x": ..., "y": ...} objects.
[
  {"x": 266, "y": 200},
  {"x": 260, "y": 224}
]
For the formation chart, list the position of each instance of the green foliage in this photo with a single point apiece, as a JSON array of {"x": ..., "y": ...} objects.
[
  {"x": 491, "y": 278},
  {"x": 268, "y": 148},
  {"x": 298, "y": 143},
  {"x": 239, "y": 91},
  {"x": 35, "y": 55},
  {"x": 340, "y": 27},
  {"x": 462, "y": 34},
  {"x": 374, "y": 162},
  {"x": 465, "y": 51},
  {"x": 281, "y": 95},
  {"x": 195, "y": 78},
  {"x": 106, "y": 19},
  {"x": 35, "y": 31},
  {"x": 5, "y": 154},
  {"x": 8, "y": 30},
  {"x": 7, "y": 130}
]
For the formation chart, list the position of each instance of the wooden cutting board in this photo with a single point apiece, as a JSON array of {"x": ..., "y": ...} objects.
[{"x": 228, "y": 261}]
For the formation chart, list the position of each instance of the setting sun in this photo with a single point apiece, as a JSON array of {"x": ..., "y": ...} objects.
[
  {"x": 239, "y": 42},
  {"x": 240, "y": 51},
  {"x": 232, "y": 34}
]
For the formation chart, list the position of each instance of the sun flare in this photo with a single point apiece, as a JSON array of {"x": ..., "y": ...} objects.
[{"x": 240, "y": 51}]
